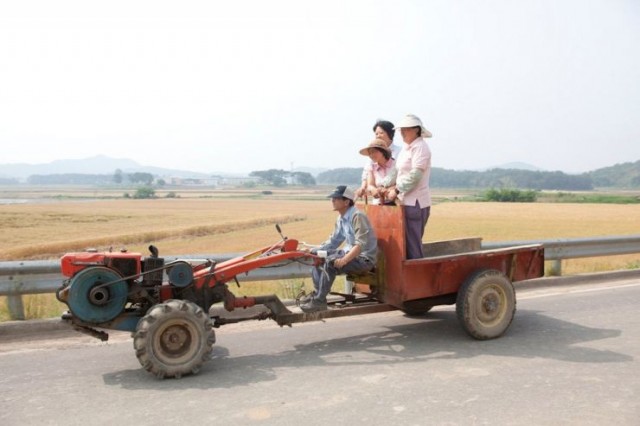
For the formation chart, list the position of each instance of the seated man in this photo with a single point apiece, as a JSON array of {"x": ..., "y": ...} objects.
[{"x": 351, "y": 249}]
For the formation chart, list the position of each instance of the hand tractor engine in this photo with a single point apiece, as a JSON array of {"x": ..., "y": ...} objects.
[{"x": 169, "y": 318}]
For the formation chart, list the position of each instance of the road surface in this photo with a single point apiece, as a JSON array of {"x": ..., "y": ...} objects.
[{"x": 571, "y": 357}]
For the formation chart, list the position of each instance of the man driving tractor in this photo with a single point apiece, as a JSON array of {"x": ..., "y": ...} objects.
[{"x": 351, "y": 249}]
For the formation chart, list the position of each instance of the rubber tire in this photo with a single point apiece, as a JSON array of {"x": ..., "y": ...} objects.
[
  {"x": 180, "y": 324},
  {"x": 486, "y": 304}
]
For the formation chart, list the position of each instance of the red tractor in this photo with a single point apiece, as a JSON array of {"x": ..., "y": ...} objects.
[{"x": 166, "y": 305}]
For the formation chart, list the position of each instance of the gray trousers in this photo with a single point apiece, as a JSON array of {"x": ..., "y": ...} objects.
[
  {"x": 415, "y": 220},
  {"x": 323, "y": 276}
]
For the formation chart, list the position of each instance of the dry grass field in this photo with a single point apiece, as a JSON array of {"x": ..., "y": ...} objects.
[{"x": 208, "y": 222}]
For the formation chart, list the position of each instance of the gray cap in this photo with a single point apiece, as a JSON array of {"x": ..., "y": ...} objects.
[{"x": 342, "y": 191}]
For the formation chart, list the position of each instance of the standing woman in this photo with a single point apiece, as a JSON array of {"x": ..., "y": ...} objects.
[
  {"x": 412, "y": 182},
  {"x": 385, "y": 130}
]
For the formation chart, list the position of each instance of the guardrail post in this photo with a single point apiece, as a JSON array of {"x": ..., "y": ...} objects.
[
  {"x": 556, "y": 268},
  {"x": 16, "y": 307}
]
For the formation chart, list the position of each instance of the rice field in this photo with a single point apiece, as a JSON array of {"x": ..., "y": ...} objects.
[{"x": 201, "y": 222}]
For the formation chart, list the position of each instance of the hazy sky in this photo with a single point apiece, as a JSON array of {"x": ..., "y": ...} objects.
[{"x": 251, "y": 85}]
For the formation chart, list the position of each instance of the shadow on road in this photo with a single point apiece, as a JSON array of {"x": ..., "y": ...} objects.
[{"x": 436, "y": 336}]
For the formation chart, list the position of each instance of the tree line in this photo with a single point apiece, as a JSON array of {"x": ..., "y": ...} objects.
[
  {"x": 495, "y": 178},
  {"x": 626, "y": 175},
  {"x": 279, "y": 177},
  {"x": 118, "y": 177}
]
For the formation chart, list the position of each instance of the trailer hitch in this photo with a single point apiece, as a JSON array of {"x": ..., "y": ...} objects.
[{"x": 272, "y": 302}]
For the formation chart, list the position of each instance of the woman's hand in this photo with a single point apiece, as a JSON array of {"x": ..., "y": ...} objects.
[
  {"x": 391, "y": 194},
  {"x": 375, "y": 192}
]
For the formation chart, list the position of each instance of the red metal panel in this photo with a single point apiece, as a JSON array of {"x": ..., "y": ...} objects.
[
  {"x": 388, "y": 223},
  {"x": 434, "y": 276},
  {"x": 268, "y": 256},
  {"x": 72, "y": 263}
]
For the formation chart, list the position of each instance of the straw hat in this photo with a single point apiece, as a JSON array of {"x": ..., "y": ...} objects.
[
  {"x": 376, "y": 143},
  {"x": 411, "y": 120}
]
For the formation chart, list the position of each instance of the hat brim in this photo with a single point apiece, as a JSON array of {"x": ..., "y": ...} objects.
[
  {"x": 339, "y": 195},
  {"x": 424, "y": 132},
  {"x": 365, "y": 151}
]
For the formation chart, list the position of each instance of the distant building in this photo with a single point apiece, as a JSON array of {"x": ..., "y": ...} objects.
[
  {"x": 238, "y": 180},
  {"x": 183, "y": 181},
  {"x": 212, "y": 181}
]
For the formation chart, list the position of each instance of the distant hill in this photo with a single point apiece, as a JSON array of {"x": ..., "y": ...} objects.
[
  {"x": 625, "y": 175},
  {"x": 100, "y": 164},
  {"x": 516, "y": 165}
]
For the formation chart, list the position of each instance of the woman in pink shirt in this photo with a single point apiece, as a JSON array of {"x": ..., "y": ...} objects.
[
  {"x": 382, "y": 130},
  {"x": 382, "y": 172},
  {"x": 412, "y": 182}
]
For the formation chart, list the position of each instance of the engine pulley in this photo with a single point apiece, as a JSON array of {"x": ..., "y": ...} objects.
[
  {"x": 180, "y": 274},
  {"x": 90, "y": 300}
]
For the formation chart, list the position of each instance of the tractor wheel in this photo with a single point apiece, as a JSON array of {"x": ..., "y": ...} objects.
[
  {"x": 174, "y": 338},
  {"x": 486, "y": 304}
]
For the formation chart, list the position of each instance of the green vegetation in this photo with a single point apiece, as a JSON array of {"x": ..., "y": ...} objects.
[
  {"x": 509, "y": 178},
  {"x": 144, "y": 192},
  {"x": 494, "y": 178},
  {"x": 510, "y": 196},
  {"x": 634, "y": 265},
  {"x": 625, "y": 175},
  {"x": 595, "y": 198},
  {"x": 344, "y": 176},
  {"x": 278, "y": 177}
]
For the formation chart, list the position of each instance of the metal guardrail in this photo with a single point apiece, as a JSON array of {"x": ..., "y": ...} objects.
[{"x": 18, "y": 278}]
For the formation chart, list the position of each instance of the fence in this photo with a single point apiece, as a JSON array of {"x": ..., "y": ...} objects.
[{"x": 18, "y": 278}]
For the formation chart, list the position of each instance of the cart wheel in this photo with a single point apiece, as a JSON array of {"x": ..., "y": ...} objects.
[
  {"x": 173, "y": 339},
  {"x": 486, "y": 304}
]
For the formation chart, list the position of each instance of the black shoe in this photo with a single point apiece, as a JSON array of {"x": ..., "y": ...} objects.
[
  {"x": 302, "y": 300},
  {"x": 314, "y": 306}
]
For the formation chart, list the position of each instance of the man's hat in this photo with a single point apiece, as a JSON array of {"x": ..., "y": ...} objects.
[{"x": 342, "y": 191}]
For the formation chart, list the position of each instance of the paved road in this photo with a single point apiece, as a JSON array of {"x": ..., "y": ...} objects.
[{"x": 571, "y": 357}]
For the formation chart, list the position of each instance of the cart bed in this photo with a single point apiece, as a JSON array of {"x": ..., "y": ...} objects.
[{"x": 437, "y": 277}]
